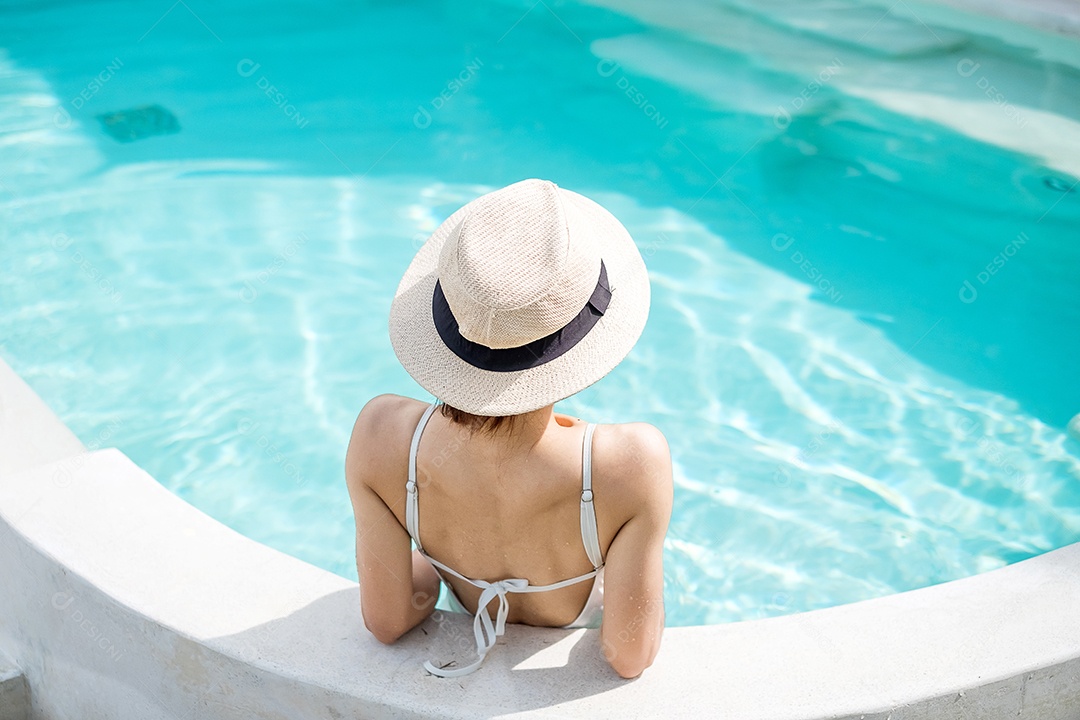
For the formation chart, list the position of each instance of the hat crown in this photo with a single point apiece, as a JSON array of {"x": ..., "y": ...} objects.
[{"x": 518, "y": 267}]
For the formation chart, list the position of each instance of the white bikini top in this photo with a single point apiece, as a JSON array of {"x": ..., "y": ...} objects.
[{"x": 484, "y": 629}]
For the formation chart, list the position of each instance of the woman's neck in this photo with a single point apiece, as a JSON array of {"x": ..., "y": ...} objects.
[{"x": 525, "y": 430}]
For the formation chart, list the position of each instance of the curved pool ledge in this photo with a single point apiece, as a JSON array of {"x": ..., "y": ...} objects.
[{"x": 121, "y": 600}]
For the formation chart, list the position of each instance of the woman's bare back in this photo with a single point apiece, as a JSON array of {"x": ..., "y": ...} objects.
[
  {"x": 501, "y": 505},
  {"x": 493, "y": 510}
]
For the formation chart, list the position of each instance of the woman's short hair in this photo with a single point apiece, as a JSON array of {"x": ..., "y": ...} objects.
[{"x": 482, "y": 423}]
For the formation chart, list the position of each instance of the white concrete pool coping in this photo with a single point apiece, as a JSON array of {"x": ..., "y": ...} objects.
[
  {"x": 121, "y": 600},
  {"x": 1057, "y": 16}
]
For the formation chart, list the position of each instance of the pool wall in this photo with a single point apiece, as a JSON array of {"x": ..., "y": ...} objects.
[{"x": 121, "y": 600}]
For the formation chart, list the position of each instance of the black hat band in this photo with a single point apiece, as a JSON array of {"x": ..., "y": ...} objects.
[{"x": 530, "y": 355}]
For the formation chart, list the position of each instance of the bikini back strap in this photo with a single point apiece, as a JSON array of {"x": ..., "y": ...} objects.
[
  {"x": 412, "y": 504},
  {"x": 589, "y": 534}
]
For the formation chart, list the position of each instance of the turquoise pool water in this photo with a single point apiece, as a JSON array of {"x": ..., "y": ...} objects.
[{"x": 861, "y": 228}]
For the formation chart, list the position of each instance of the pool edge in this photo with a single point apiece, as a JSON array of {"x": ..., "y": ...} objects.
[
  {"x": 197, "y": 620},
  {"x": 1050, "y": 16}
]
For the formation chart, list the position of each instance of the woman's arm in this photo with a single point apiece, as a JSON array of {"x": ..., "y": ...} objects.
[
  {"x": 398, "y": 587},
  {"x": 634, "y": 567}
]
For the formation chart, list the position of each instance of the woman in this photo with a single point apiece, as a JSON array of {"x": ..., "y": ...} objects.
[{"x": 521, "y": 298}]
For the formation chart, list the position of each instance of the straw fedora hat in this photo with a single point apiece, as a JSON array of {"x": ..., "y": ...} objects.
[{"x": 521, "y": 298}]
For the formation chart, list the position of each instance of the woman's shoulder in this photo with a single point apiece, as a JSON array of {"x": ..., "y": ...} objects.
[
  {"x": 382, "y": 431},
  {"x": 640, "y": 436},
  {"x": 630, "y": 447},
  {"x": 389, "y": 408},
  {"x": 387, "y": 417},
  {"x": 635, "y": 458}
]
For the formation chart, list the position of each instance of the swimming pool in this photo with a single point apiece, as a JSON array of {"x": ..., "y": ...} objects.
[{"x": 861, "y": 257}]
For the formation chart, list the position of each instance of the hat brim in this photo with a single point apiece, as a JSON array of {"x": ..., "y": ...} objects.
[{"x": 438, "y": 370}]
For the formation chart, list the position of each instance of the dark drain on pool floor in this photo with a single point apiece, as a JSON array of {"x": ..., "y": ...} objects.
[{"x": 139, "y": 123}]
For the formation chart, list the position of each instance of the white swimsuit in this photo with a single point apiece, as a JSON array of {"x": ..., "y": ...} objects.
[{"x": 485, "y": 630}]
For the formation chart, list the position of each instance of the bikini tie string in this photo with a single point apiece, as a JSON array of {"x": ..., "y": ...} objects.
[{"x": 485, "y": 631}]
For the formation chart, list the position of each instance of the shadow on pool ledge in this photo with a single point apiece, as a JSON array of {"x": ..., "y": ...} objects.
[
  {"x": 123, "y": 599},
  {"x": 541, "y": 668}
]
